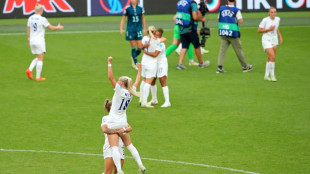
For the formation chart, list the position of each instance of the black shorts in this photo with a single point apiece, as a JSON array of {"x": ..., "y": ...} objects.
[{"x": 190, "y": 37}]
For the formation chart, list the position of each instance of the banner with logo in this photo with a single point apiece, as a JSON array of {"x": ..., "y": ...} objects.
[{"x": 25, "y": 8}]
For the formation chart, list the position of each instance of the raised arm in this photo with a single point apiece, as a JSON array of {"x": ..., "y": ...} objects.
[
  {"x": 110, "y": 72},
  {"x": 122, "y": 25},
  {"x": 136, "y": 84}
]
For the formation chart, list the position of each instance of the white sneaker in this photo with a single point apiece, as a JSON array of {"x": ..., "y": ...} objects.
[
  {"x": 267, "y": 78},
  {"x": 146, "y": 105},
  {"x": 120, "y": 172},
  {"x": 273, "y": 78},
  {"x": 165, "y": 105},
  {"x": 193, "y": 63},
  {"x": 142, "y": 169},
  {"x": 204, "y": 64},
  {"x": 203, "y": 51},
  {"x": 153, "y": 102}
]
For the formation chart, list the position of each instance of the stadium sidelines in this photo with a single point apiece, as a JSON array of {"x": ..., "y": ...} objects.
[
  {"x": 151, "y": 159},
  {"x": 116, "y": 31}
]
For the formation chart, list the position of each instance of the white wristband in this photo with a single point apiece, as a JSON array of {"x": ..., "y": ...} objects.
[{"x": 109, "y": 65}]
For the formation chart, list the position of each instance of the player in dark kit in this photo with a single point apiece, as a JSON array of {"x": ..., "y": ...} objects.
[{"x": 135, "y": 28}]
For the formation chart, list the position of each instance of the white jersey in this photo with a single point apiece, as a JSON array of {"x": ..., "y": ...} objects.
[
  {"x": 37, "y": 25},
  {"x": 146, "y": 59},
  {"x": 120, "y": 102},
  {"x": 265, "y": 24},
  {"x": 161, "y": 58},
  {"x": 106, "y": 147}
]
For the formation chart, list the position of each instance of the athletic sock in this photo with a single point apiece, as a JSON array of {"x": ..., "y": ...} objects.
[
  {"x": 135, "y": 154},
  {"x": 166, "y": 94},
  {"x": 170, "y": 49},
  {"x": 267, "y": 69},
  {"x": 138, "y": 52},
  {"x": 146, "y": 91},
  {"x": 272, "y": 67},
  {"x": 154, "y": 92},
  {"x": 141, "y": 90},
  {"x": 116, "y": 158},
  {"x": 39, "y": 68},
  {"x": 134, "y": 54},
  {"x": 190, "y": 52},
  {"x": 33, "y": 64}
]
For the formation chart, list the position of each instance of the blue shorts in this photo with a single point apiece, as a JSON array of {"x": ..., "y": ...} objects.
[{"x": 134, "y": 35}]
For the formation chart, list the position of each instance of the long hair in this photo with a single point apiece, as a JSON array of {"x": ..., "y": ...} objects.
[
  {"x": 128, "y": 84},
  {"x": 107, "y": 106},
  {"x": 150, "y": 31}
]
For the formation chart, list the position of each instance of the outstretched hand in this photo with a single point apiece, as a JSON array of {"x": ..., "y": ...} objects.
[
  {"x": 60, "y": 27},
  {"x": 110, "y": 59}
]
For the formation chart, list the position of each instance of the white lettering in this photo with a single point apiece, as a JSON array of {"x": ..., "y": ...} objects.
[
  {"x": 226, "y": 13},
  {"x": 183, "y": 3},
  {"x": 308, "y": 3},
  {"x": 279, "y": 3},
  {"x": 225, "y": 26},
  {"x": 263, "y": 2},
  {"x": 239, "y": 4},
  {"x": 250, "y": 4}
]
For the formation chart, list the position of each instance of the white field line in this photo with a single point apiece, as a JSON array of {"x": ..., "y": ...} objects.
[
  {"x": 151, "y": 159},
  {"x": 116, "y": 31}
]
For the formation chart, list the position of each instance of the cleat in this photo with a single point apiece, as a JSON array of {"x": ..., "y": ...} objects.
[
  {"x": 181, "y": 66},
  {"x": 273, "y": 78},
  {"x": 193, "y": 63},
  {"x": 40, "y": 79},
  {"x": 133, "y": 64},
  {"x": 203, "y": 51},
  {"x": 146, "y": 105},
  {"x": 220, "y": 70},
  {"x": 153, "y": 102},
  {"x": 165, "y": 105},
  {"x": 267, "y": 78},
  {"x": 204, "y": 64},
  {"x": 142, "y": 169},
  {"x": 248, "y": 68},
  {"x": 29, "y": 73}
]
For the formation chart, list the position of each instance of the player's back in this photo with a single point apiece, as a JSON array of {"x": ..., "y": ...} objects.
[
  {"x": 161, "y": 58},
  {"x": 153, "y": 45},
  {"x": 37, "y": 25}
]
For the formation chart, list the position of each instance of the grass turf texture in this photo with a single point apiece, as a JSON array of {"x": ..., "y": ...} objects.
[{"x": 234, "y": 120}]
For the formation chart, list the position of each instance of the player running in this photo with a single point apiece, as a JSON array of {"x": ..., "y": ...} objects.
[
  {"x": 117, "y": 119},
  {"x": 36, "y": 39},
  {"x": 135, "y": 25}
]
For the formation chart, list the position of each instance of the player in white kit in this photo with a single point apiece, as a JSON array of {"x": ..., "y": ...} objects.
[
  {"x": 117, "y": 119},
  {"x": 162, "y": 70},
  {"x": 36, "y": 39},
  {"x": 107, "y": 151},
  {"x": 149, "y": 65},
  {"x": 269, "y": 26}
]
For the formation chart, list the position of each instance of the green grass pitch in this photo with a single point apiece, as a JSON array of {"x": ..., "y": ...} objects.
[{"x": 218, "y": 123}]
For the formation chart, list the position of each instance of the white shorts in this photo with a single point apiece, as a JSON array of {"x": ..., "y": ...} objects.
[
  {"x": 269, "y": 43},
  {"x": 107, "y": 152},
  {"x": 149, "y": 70},
  {"x": 38, "y": 47},
  {"x": 116, "y": 125},
  {"x": 162, "y": 70}
]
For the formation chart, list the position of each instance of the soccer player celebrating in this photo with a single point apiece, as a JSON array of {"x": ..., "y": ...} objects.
[
  {"x": 162, "y": 70},
  {"x": 107, "y": 151},
  {"x": 270, "y": 27},
  {"x": 36, "y": 31},
  {"x": 117, "y": 119},
  {"x": 135, "y": 25}
]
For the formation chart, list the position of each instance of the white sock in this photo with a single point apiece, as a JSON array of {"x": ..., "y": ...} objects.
[
  {"x": 267, "y": 72},
  {"x": 166, "y": 94},
  {"x": 116, "y": 158},
  {"x": 272, "y": 66},
  {"x": 33, "y": 64},
  {"x": 146, "y": 92},
  {"x": 154, "y": 92},
  {"x": 135, "y": 154},
  {"x": 39, "y": 68},
  {"x": 141, "y": 90},
  {"x": 178, "y": 50}
]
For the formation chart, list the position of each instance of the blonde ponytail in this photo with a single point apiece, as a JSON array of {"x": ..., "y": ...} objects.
[{"x": 128, "y": 84}]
